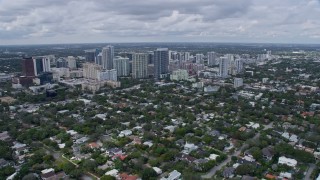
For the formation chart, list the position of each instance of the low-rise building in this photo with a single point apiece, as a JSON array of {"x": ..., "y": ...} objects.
[{"x": 287, "y": 161}]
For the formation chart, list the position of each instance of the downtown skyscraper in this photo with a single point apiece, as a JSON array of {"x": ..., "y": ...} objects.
[
  {"x": 223, "y": 67},
  {"x": 107, "y": 57},
  {"x": 161, "y": 62},
  {"x": 121, "y": 64},
  {"x": 140, "y": 65}
]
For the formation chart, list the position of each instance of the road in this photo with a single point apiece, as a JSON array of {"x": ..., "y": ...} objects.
[
  {"x": 310, "y": 170},
  {"x": 236, "y": 153}
]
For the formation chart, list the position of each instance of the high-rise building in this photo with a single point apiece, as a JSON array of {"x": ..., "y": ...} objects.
[
  {"x": 140, "y": 65},
  {"x": 161, "y": 62},
  {"x": 107, "y": 57},
  {"x": 72, "y": 64},
  {"x": 150, "y": 57},
  {"x": 41, "y": 64},
  {"x": 107, "y": 75},
  {"x": 28, "y": 67},
  {"x": 186, "y": 56},
  {"x": 61, "y": 63},
  {"x": 121, "y": 64},
  {"x": 99, "y": 59},
  {"x": 91, "y": 54},
  {"x": 239, "y": 65},
  {"x": 212, "y": 59},
  {"x": 180, "y": 74},
  {"x": 223, "y": 67},
  {"x": 199, "y": 59},
  {"x": 90, "y": 70},
  {"x": 237, "y": 82}
]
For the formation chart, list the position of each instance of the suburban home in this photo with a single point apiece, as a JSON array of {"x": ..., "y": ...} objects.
[
  {"x": 188, "y": 147},
  {"x": 287, "y": 161},
  {"x": 228, "y": 172},
  {"x": 174, "y": 175},
  {"x": 267, "y": 153},
  {"x": 49, "y": 174}
]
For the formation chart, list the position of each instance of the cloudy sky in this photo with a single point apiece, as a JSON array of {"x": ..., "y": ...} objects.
[{"x": 90, "y": 21}]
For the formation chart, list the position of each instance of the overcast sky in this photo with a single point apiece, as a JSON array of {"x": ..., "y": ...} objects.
[{"x": 103, "y": 21}]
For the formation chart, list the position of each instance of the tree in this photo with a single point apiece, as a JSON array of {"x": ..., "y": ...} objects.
[
  {"x": 5, "y": 150},
  {"x": 89, "y": 165},
  {"x": 245, "y": 169},
  {"x": 107, "y": 177},
  {"x": 148, "y": 173}
]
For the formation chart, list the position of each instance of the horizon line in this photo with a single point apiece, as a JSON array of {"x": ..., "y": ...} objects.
[{"x": 162, "y": 42}]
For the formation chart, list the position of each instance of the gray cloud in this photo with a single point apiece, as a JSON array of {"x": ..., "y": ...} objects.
[{"x": 60, "y": 21}]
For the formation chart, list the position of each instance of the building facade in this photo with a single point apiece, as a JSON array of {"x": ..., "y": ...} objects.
[
  {"x": 107, "y": 57},
  {"x": 121, "y": 64},
  {"x": 140, "y": 65},
  {"x": 90, "y": 70},
  {"x": 223, "y": 67},
  {"x": 28, "y": 67},
  {"x": 237, "y": 82},
  {"x": 212, "y": 59},
  {"x": 161, "y": 62}
]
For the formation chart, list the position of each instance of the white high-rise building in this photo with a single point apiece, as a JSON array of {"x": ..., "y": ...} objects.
[
  {"x": 107, "y": 75},
  {"x": 237, "y": 82},
  {"x": 199, "y": 59},
  {"x": 180, "y": 74},
  {"x": 223, "y": 67},
  {"x": 212, "y": 59},
  {"x": 90, "y": 70},
  {"x": 121, "y": 64},
  {"x": 139, "y": 65},
  {"x": 107, "y": 57},
  {"x": 72, "y": 64}
]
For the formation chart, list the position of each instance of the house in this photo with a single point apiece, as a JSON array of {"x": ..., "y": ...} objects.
[
  {"x": 174, "y": 175},
  {"x": 287, "y": 161},
  {"x": 267, "y": 153},
  {"x": 72, "y": 132},
  {"x": 170, "y": 128},
  {"x": 94, "y": 145},
  {"x": 148, "y": 143},
  {"x": 125, "y": 133},
  {"x": 81, "y": 140},
  {"x": 113, "y": 173},
  {"x": 270, "y": 176},
  {"x": 285, "y": 175},
  {"x": 199, "y": 162},
  {"x": 114, "y": 151},
  {"x": 188, "y": 147},
  {"x": 49, "y": 174},
  {"x": 120, "y": 156},
  {"x": 249, "y": 158},
  {"x": 157, "y": 170},
  {"x": 101, "y": 116},
  {"x": 185, "y": 157},
  {"x": 125, "y": 176},
  {"x": 228, "y": 172},
  {"x": 4, "y": 136},
  {"x": 4, "y": 163},
  {"x": 213, "y": 156}
]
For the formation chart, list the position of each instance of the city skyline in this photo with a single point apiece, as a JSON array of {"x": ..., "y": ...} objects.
[{"x": 240, "y": 21}]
